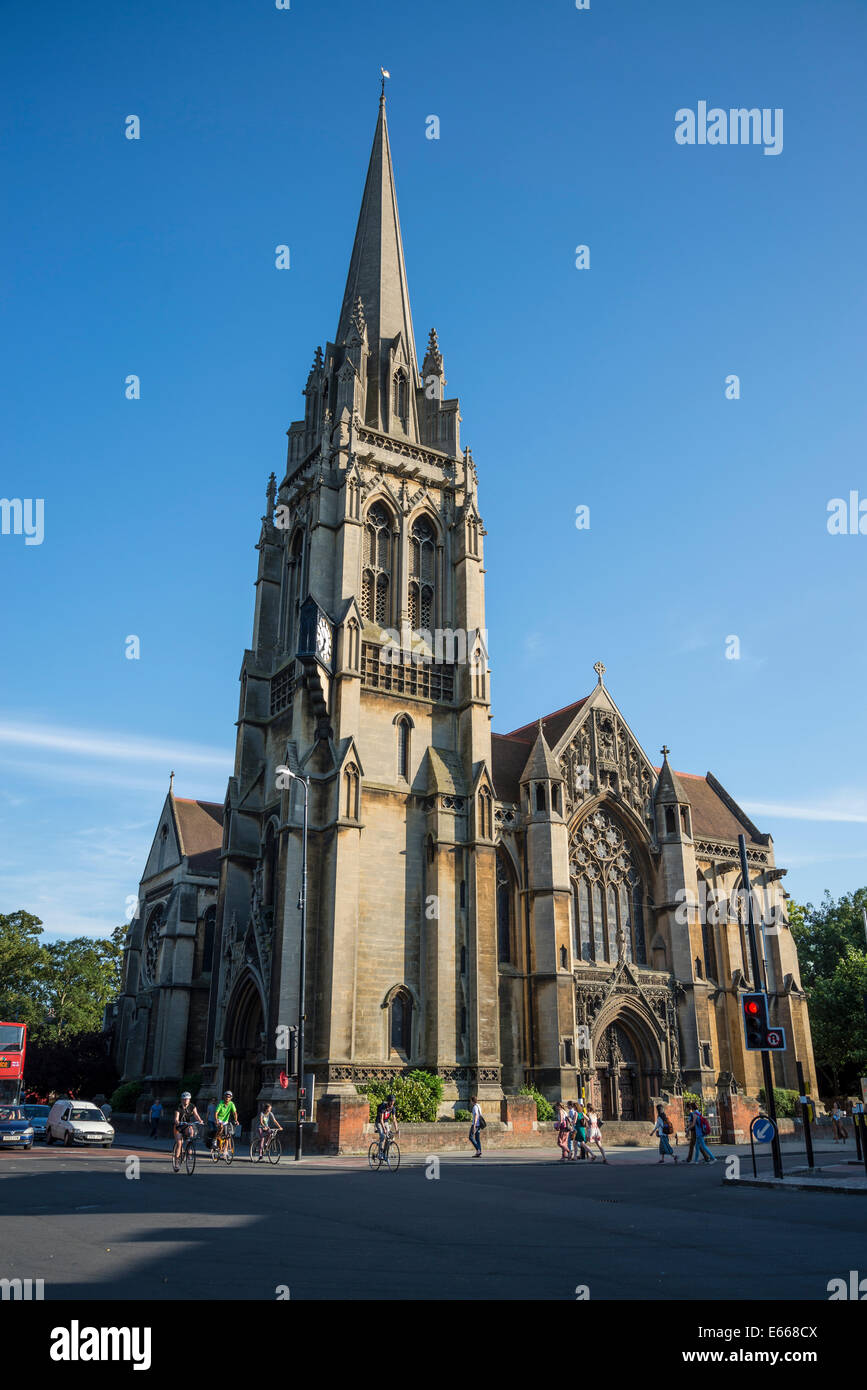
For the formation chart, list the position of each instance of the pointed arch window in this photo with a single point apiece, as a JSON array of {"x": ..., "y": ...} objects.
[
  {"x": 422, "y": 576},
  {"x": 400, "y": 1024},
  {"x": 403, "y": 748},
  {"x": 376, "y": 574},
  {"x": 608, "y": 892},
  {"x": 350, "y": 792},
  {"x": 269, "y": 867},
  {"x": 294, "y": 584},
  {"x": 401, "y": 399},
  {"x": 505, "y": 907},
  {"x": 208, "y": 940}
]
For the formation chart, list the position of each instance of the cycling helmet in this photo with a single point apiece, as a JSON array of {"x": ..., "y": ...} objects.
[
  {"x": 227, "y": 1095},
  {"x": 185, "y": 1095}
]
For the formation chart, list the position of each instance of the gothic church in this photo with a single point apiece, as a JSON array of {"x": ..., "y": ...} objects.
[{"x": 503, "y": 909}]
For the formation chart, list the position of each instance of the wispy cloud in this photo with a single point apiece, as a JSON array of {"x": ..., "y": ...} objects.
[
  {"x": 850, "y": 810},
  {"x": 113, "y": 747}
]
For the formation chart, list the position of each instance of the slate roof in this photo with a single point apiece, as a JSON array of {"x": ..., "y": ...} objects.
[{"x": 200, "y": 826}]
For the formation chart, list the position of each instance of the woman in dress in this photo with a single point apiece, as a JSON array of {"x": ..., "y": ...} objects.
[
  {"x": 564, "y": 1130},
  {"x": 595, "y": 1132}
]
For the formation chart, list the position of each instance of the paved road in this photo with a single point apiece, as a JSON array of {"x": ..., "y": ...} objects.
[{"x": 514, "y": 1225}]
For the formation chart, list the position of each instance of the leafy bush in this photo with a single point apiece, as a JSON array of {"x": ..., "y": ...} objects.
[
  {"x": 690, "y": 1098},
  {"x": 544, "y": 1110},
  {"x": 784, "y": 1100},
  {"x": 125, "y": 1097},
  {"x": 465, "y": 1115},
  {"x": 416, "y": 1096}
]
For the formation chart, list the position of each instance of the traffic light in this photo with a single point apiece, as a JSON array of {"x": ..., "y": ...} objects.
[{"x": 755, "y": 1009}]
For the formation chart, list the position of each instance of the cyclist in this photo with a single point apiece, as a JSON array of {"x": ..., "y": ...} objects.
[
  {"x": 226, "y": 1115},
  {"x": 385, "y": 1114},
  {"x": 185, "y": 1115},
  {"x": 267, "y": 1121}
]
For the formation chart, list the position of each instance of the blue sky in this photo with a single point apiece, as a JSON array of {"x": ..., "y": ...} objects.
[{"x": 603, "y": 387}]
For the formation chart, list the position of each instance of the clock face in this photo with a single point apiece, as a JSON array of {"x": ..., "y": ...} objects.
[{"x": 323, "y": 640}]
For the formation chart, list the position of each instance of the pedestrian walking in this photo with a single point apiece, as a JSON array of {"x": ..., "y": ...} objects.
[
  {"x": 477, "y": 1124},
  {"x": 838, "y": 1117},
  {"x": 106, "y": 1110},
  {"x": 572, "y": 1115},
  {"x": 594, "y": 1133},
  {"x": 156, "y": 1114},
  {"x": 211, "y": 1121},
  {"x": 564, "y": 1130},
  {"x": 581, "y": 1126},
  {"x": 701, "y": 1129},
  {"x": 663, "y": 1129},
  {"x": 690, "y": 1129}
]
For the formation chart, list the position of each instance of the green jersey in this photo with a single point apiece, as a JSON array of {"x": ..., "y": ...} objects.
[{"x": 226, "y": 1111}]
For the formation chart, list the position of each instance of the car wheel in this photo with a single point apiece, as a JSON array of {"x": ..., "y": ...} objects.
[
  {"x": 67, "y": 1139},
  {"x": 49, "y": 1137}
]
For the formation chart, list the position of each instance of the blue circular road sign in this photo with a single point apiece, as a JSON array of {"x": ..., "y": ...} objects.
[{"x": 763, "y": 1129}]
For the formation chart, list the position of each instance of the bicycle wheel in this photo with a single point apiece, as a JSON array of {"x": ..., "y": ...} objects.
[
  {"x": 215, "y": 1151},
  {"x": 176, "y": 1162},
  {"x": 229, "y": 1150},
  {"x": 392, "y": 1157},
  {"x": 373, "y": 1155},
  {"x": 190, "y": 1157},
  {"x": 255, "y": 1155},
  {"x": 274, "y": 1151}
]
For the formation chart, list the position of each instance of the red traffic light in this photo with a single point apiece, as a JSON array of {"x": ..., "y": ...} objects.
[{"x": 751, "y": 1007}]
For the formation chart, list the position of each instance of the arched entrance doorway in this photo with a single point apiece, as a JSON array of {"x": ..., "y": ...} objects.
[
  {"x": 243, "y": 1051},
  {"x": 628, "y": 1070}
]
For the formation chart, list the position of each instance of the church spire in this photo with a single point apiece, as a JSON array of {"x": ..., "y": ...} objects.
[{"x": 377, "y": 274}]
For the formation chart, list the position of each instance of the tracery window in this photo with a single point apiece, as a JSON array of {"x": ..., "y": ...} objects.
[
  {"x": 400, "y": 398},
  {"x": 608, "y": 892},
  {"x": 422, "y": 575},
  {"x": 376, "y": 572},
  {"x": 152, "y": 944}
]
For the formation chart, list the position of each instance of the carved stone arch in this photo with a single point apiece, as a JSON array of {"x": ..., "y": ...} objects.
[
  {"x": 629, "y": 1049},
  {"x": 244, "y": 1041}
]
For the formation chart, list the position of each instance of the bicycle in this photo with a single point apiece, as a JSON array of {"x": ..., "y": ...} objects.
[
  {"x": 187, "y": 1155},
  {"x": 224, "y": 1145},
  {"x": 389, "y": 1154},
  {"x": 268, "y": 1147}
]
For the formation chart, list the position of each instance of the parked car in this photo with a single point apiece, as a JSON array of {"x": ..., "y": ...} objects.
[
  {"x": 78, "y": 1122},
  {"x": 15, "y": 1128},
  {"x": 38, "y": 1117}
]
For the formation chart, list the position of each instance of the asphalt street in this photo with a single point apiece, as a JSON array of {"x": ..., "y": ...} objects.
[{"x": 513, "y": 1225}]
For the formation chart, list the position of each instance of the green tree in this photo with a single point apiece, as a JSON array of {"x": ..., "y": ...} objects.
[
  {"x": 838, "y": 1021},
  {"x": 823, "y": 933},
  {"x": 23, "y": 963},
  {"x": 82, "y": 976}
]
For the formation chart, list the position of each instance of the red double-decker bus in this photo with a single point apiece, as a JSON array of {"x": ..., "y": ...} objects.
[{"x": 13, "y": 1048}]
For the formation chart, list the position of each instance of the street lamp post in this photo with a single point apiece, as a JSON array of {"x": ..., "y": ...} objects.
[{"x": 302, "y": 904}]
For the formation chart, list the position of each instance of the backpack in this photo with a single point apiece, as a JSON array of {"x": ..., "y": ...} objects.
[
  {"x": 667, "y": 1127},
  {"x": 704, "y": 1123}
]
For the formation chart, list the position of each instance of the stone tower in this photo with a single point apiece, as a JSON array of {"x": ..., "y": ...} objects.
[{"x": 368, "y": 674}]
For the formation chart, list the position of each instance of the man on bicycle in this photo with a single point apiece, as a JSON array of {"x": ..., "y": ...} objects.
[
  {"x": 185, "y": 1115},
  {"x": 386, "y": 1113},
  {"x": 226, "y": 1117},
  {"x": 267, "y": 1124}
]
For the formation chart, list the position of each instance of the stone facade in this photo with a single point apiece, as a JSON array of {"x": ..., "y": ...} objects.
[{"x": 503, "y": 909}]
